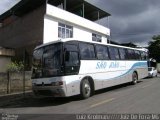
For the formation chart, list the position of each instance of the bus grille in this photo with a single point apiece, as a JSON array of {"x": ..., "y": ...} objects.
[{"x": 45, "y": 92}]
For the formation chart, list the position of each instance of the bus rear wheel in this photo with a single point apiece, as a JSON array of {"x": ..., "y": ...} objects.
[
  {"x": 134, "y": 78},
  {"x": 85, "y": 89}
]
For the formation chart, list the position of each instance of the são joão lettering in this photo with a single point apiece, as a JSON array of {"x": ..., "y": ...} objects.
[{"x": 104, "y": 65}]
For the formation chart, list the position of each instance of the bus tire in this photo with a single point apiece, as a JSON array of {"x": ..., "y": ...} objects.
[
  {"x": 86, "y": 89},
  {"x": 134, "y": 78}
]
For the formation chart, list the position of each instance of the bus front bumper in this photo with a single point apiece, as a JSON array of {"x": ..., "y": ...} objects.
[{"x": 49, "y": 91}]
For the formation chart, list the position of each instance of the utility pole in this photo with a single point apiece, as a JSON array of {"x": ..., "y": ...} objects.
[{"x": 24, "y": 57}]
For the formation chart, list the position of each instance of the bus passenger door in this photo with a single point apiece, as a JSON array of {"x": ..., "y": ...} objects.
[
  {"x": 71, "y": 63},
  {"x": 71, "y": 68}
]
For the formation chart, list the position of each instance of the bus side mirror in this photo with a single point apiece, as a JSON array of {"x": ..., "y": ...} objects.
[{"x": 67, "y": 55}]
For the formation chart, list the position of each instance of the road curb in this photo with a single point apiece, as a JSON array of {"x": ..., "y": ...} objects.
[{"x": 14, "y": 95}]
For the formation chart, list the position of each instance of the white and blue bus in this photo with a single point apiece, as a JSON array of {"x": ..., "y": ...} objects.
[{"x": 71, "y": 67}]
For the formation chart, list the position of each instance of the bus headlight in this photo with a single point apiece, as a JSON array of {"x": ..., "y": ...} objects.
[
  {"x": 34, "y": 84},
  {"x": 57, "y": 83}
]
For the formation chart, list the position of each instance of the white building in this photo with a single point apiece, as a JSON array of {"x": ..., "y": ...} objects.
[
  {"x": 59, "y": 23},
  {"x": 33, "y": 22}
]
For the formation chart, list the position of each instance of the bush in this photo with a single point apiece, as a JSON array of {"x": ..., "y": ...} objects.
[{"x": 15, "y": 67}]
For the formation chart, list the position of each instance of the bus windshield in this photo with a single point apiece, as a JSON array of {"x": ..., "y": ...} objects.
[{"x": 47, "y": 61}]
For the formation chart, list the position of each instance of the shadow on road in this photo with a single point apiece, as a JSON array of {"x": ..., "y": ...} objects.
[
  {"x": 116, "y": 88},
  {"x": 31, "y": 101}
]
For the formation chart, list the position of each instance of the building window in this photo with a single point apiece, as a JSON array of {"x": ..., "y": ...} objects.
[
  {"x": 65, "y": 31},
  {"x": 96, "y": 37}
]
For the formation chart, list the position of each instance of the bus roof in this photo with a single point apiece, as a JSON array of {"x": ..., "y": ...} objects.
[{"x": 93, "y": 42}]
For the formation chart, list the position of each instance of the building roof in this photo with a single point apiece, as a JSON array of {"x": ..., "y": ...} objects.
[
  {"x": 21, "y": 8},
  {"x": 91, "y": 12},
  {"x": 6, "y": 52}
]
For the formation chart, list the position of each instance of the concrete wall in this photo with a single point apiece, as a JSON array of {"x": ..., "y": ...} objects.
[
  {"x": 3, "y": 83},
  {"x": 5, "y": 58},
  {"x": 4, "y": 61},
  {"x": 158, "y": 67},
  {"x": 15, "y": 83}
]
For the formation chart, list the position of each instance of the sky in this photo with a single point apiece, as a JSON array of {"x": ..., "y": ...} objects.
[
  {"x": 6, "y": 4},
  {"x": 135, "y": 21}
]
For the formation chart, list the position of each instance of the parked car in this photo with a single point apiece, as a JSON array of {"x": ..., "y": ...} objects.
[{"x": 152, "y": 72}]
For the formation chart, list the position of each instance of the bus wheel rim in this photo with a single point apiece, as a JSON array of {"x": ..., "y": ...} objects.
[
  {"x": 87, "y": 89},
  {"x": 135, "y": 78}
]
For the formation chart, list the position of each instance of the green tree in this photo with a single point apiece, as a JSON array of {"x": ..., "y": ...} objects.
[
  {"x": 15, "y": 67},
  {"x": 154, "y": 48}
]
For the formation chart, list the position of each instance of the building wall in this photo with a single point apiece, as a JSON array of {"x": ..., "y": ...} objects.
[
  {"x": 158, "y": 67},
  {"x": 25, "y": 30},
  {"x": 86, "y": 34},
  {"x": 50, "y": 29},
  {"x": 80, "y": 33},
  {"x": 5, "y": 58},
  {"x": 24, "y": 34},
  {"x": 4, "y": 61}
]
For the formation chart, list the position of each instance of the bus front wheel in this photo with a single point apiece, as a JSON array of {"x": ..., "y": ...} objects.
[
  {"x": 134, "y": 78},
  {"x": 85, "y": 89}
]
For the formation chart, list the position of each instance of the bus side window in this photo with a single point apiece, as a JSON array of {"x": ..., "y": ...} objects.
[
  {"x": 122, "y": 53},
  {"x": 87, "y": 51},
  {"x": 131, "y": 54},
  {"x": 138, "y": 55},
  {"x": 102, "y": 52},
  {"x": 144, "y": 56},
  {"x": 71, "y": 62},
  {"x": 71, "y": 58},
  {"x": 114, "y": 54}
]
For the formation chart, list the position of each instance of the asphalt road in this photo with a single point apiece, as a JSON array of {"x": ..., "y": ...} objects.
[{"x": 131, "y": 99}]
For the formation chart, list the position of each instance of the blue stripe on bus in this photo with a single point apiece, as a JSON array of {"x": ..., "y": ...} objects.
[{"x": 136, "y": 65}]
